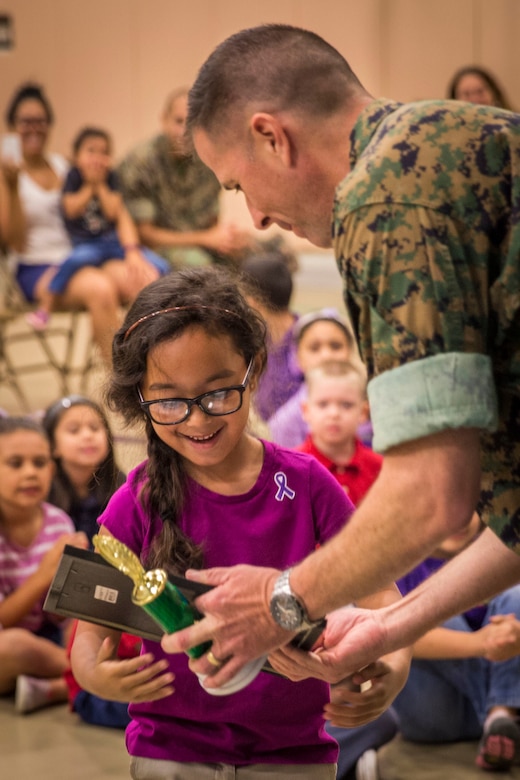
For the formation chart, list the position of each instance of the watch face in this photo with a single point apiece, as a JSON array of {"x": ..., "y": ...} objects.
[{"x": 286, "y": 611}]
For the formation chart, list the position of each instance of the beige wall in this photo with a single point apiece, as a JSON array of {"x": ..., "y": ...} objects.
[{"x": 111, "y": 62}]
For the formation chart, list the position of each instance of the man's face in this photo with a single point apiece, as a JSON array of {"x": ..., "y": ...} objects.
[
  {"x": 174, "y": 122},
  {"x": 293, "y": 196}
]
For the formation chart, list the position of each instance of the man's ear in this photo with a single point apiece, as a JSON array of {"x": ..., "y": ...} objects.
[
  {"x": 271, "y": 136},
  {"x": 304, "y": 405}
]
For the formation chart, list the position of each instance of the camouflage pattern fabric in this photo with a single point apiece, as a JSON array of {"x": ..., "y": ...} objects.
[
  {"x": 426, "y": 232},
  {"x": 176, "y": 193}
]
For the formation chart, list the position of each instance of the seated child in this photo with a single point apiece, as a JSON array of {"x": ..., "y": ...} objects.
[
  {"x": 468, "y": 670},
  {"x": 335, "y": 407},
  {"x": 33, "y": 534},
  {"x": 318, "y": 336},
  {"x": 86, "y": 476},
  {"x": 99, "y": 226},
  {"x": 268, "y": 282},
  {"x": 86, "y": 473}
]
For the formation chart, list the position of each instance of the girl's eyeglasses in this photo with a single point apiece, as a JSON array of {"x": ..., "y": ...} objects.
[{"x": 216, "y": 403}]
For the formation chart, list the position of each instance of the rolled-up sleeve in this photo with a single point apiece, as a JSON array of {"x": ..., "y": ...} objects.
[{"x": 454, "y": 390}]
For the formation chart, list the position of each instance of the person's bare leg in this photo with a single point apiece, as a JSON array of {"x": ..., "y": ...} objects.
[
  {"x": 24, "y": 653},
  {"x": 130, "y": 284},
  {"x": 94, "y": 290},
  {"x": 45, "y": 300}
]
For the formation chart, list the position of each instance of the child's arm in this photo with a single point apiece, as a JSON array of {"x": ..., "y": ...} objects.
[
  {"x": 75, "y": 203},
  {"x": 110, "y": 201},
  {"x": 126, "y": 229},
  {"x": 97, "y": 668},
  {"x": 140, "y": 270},
  {"x": 496, "y": 641},
  {"x": 18, "y": 604},
  {"x": 93, "y": 181}
]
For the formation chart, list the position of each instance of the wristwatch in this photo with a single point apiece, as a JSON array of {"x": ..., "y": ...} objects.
[{"x": 286, "y": 609}]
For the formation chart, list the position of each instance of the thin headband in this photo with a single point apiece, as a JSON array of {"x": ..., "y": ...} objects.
[{"x": 176, "y": 308}]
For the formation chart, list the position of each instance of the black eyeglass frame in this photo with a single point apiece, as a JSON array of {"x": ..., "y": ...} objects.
[{"x": 197, "y": 401}]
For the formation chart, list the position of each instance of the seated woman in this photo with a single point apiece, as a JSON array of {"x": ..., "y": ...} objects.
[
  {"x": 477, "y": 85},
  {"x": 34, "y": 229}
]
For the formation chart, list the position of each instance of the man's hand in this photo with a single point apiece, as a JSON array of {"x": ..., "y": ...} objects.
[
  {"x": 352, "y": 639},
  {"x": 237, "y": 621},
  {"x": 227, "y": 239}
]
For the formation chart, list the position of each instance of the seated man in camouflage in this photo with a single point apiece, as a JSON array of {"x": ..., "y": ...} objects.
[{"x": 174, "y": 198}]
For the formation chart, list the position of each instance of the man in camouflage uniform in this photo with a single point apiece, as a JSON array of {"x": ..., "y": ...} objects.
[
  {"x": 174, "y": 198},
  {"x": 424, "y": 202}
]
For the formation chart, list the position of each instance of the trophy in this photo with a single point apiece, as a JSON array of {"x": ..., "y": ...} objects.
[{"x": 165, "y": 603}]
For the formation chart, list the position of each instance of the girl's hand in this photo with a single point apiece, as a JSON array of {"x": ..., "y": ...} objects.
[
  {"x": 49, "y": 562},
  {"x": 363, "y": 696},
  {"x": 130, "y": 680},
  {"x": 94, "y": 172},
  {"x": 296, "y": 664}
]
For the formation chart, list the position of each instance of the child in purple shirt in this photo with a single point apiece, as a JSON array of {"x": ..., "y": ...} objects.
[{"x": 185, "y": 362}]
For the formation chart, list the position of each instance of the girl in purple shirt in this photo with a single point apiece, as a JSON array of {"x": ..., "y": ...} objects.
[{"x": 185, "y": 363}]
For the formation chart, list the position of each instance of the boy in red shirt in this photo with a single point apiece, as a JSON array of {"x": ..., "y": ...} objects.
[{"x": 336, "y": 405}]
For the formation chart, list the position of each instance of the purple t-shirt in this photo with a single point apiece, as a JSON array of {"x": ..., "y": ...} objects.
[
  {"x": 281, "y": 378},
  {"x": 294, "y": 505},
  {"x": 425, "y": 569}
]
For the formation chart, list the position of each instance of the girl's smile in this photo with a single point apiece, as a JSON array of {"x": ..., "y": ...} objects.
[{"x": 186, "y": 367}]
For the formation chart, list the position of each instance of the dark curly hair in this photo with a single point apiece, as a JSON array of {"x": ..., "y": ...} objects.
[{"x": 209, "y": 297}]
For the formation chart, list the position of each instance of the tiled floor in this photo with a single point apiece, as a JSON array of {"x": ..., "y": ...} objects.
[{"x": 53, "y": 744}]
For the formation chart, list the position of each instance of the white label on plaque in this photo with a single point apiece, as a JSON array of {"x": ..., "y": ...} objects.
[{"x": 106, "y": 594}]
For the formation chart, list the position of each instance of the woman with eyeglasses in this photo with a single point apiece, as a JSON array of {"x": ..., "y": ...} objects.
[
  {"x": 185, "y": 364},
  {"x": 31, "y": 222}
]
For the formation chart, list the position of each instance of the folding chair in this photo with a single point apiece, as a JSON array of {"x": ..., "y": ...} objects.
[{"x": 25, "y": 351}]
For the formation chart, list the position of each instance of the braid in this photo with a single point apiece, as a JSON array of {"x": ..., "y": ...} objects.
[{"x": 172, "y": 549}]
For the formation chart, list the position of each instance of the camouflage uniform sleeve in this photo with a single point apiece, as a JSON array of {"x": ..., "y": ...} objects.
[
  {"x": 418, "y": 315},
  {"x": 136, "y": 189}
]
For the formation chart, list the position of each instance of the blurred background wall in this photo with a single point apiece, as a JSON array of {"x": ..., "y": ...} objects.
[{"x": 112, "y": 62}]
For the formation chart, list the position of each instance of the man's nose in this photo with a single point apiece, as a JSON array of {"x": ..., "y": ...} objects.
[{"x": 260, "y": 220}]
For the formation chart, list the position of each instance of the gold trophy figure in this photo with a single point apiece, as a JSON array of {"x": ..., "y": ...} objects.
[{"x": 166, "y": 605}]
